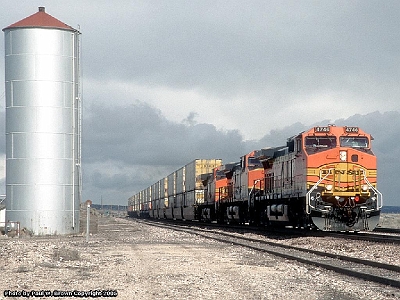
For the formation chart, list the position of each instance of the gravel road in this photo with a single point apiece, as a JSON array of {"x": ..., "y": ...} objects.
[{"x": 132, "y": 260}]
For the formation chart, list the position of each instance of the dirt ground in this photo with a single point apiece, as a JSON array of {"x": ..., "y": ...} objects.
[{"x": 127, "y": 259}]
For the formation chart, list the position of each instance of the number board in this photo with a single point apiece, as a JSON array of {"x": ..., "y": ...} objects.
[
  {"x": 351, "y": 129},
  {"x": 322, "y": 129}
]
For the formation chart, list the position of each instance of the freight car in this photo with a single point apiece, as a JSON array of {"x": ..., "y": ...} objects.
[{"x": 322, "y": 178}]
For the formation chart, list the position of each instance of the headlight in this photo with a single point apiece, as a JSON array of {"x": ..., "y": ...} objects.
[
  {"x": 329, "y": 187},
  {"x": 339, "y": 199},
  {"x": 364, "y": 188},
  {"x": 343, "y": 155}
]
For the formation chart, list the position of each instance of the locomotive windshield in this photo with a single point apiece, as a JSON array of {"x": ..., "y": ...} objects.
[
  {"x": 324, "y": 142},
  {"x": 220, "y": 174},
  {"x": 354, "y": 141},
  {"x": 254, "y": 163}
]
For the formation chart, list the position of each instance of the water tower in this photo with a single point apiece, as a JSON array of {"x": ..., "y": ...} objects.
[{"x": 43, "y": 124}]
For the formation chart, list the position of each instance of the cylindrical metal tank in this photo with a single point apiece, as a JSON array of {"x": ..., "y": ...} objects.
[{"x": 43, "y": 124}]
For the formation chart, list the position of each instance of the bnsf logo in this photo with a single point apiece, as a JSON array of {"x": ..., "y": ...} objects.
[{"x": 343, "y": 172}]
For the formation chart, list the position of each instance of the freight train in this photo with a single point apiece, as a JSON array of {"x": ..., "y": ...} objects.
[{"x": 325, "y": 178}]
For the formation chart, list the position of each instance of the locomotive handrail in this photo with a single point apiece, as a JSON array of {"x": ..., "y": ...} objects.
[
  {"x": 308, "y": 195},
  {"x": 251, "y": 191},
  {"x": 378, "y": 193}
]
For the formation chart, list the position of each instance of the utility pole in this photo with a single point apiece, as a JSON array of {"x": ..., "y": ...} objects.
[{"x": 88, "y": 204}]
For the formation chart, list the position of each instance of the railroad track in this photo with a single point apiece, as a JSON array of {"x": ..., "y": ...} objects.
[
  {"x": 387, "y": 230},
  {"x": 393, "y": 236},
  {"x": 366, "y": 236},
  {"x": 359, "y": 268}
]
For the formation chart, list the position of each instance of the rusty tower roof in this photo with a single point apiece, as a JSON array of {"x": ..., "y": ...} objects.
[{"x": 40, "y": 19}]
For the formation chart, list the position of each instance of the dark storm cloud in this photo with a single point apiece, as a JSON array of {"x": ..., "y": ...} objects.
[{"x": 139, "y": 134}]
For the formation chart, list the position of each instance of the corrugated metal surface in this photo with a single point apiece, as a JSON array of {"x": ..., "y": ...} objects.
[
  {"x": 43, "y": 114},
  {"x": 148, "y": 198},
  {"x": 195, "y": 169},
  {"x": 180, "y": 190},
  {"x": 180, "y": 200},
  {"x": 164, "y": 191},
  {"x": 136, "y": 202},
  {"x": 171, "y": 188},
  {"x": 171, "y": 184},
  {"x": 193, "y": 183},
  {"x": 162, "y": 198},
  {"x": 153, "y": 200},
  {"x": 154, "y": 193},
  {"x": 180, "y": 180}
]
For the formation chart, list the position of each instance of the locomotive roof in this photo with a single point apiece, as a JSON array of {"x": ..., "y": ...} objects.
[
  {"x": 336, "y": 130},
  {"x": 268, "y": 153}
]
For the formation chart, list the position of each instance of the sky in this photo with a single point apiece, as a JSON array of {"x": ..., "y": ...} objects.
[{"x": 165, "y": 82}]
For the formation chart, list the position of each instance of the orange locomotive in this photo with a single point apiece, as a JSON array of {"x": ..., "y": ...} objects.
[
  {"x": 341, "y": 179},
  {"x": 323, "y": 177}
]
